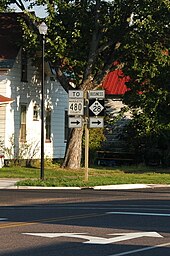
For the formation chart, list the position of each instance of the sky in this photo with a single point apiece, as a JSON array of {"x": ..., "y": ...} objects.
[{"x": 39, "y": 10}]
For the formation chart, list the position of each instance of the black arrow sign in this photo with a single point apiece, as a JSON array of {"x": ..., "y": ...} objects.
[
  {"x": 96, "y": 122},
  {"x": 76, "y": 122}
]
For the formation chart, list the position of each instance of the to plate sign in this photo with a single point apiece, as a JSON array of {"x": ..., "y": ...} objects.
[{"x": 75, "y": 94}]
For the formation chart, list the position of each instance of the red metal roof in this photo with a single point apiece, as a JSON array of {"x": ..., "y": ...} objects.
[
  {"x": 5, "y": 100},
  {"x": 115, "y": 83}
]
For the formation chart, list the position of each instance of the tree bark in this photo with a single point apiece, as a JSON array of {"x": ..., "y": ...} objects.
[{"x": 72, "y": 158}]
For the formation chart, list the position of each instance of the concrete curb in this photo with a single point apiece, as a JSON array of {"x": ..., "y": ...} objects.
[
  {"x": 10, "y": 184},
  {"x": 130, "y": 186}
]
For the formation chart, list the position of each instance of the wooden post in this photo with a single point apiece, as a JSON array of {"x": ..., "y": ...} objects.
[
  {"x": 86, "y": 139},
  {"x": 86, "y": 150}
]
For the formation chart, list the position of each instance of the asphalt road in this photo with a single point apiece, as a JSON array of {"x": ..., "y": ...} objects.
[{"x": 85, "y": 222}]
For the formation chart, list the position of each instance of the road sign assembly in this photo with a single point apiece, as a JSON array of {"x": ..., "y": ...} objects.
[{"x": 94, "y": 106}]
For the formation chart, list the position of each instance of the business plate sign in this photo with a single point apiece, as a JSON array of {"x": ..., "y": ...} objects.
[{"x": 96, "y": 94}]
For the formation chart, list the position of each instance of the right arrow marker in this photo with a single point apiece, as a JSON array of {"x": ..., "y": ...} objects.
[
  {"x": 96, "y": 122},
  {"x": 75, "y": 122}
]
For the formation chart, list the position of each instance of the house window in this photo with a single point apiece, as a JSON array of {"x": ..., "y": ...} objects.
[
  {"x": 24, "y": 66},
  {"x": 66, "y": 129},
  {"x": 48, "y": 125},
  {"x": 23, "y": 123},
  {"x": 36, "y": 112}
]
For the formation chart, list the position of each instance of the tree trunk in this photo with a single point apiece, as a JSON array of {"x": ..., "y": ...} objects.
[{"x": 72, "y": 158}]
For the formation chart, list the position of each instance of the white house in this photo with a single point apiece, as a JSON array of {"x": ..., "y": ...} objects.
[{"x": 20, "y": 124}]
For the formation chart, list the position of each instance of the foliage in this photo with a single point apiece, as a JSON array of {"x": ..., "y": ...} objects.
[
  {"x": 146, "y": 51},
  {"x": 5, "y": 5},
  {"x": 135, "y": 33},
  {"x": 23, "y": 151},
  {"x": 96, "y": 137}
]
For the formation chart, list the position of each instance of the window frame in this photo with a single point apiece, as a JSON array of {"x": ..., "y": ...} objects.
[
  {"x": 23, "y": 122},
  {"x": 48, "y": 125},
  {"x": 36, "y": 112}
]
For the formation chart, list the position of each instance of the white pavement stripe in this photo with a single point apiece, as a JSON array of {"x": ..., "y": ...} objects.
[
  {"x": 99, "y": 240},
  {"x": 142, "y": 249},
  {"x": 142, "y": 213},
  {"x": 2, "y": 219}
]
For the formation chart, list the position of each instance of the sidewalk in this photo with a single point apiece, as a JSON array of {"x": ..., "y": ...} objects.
[
  {"x": 11, "y": 184},
  {"x": 8, "y": 183}
]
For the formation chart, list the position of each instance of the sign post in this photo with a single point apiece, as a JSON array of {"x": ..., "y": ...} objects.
[
  {"x": 86, "y": 152},
  {"x": 86, "y": 141}
]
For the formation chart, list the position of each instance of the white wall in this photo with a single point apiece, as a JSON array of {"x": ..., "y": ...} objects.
[{"x": 29, "y": 94}]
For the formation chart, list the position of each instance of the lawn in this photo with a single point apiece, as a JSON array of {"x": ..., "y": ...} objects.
[{"x": 56, "y": 177}]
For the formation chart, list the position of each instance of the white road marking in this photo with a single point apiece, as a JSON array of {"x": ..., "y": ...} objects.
[
  {"x": 142, "y": 249},
  {"x": 88, "y": 207},
  {"x": 99, "y": 240},
  {"x": 141, "y": 213},
  {"x": 2, "y": 219}
]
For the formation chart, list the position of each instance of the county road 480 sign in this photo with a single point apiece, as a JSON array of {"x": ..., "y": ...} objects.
[{"x": 76, "y": 107}]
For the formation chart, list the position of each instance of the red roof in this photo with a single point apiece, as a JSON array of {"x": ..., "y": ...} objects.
[
  {"x": 4, "y": 100},
  {"x": 115, "y": 83}
]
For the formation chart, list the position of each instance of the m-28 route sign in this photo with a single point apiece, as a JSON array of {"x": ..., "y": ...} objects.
[
  {"x": 96, "y": 107},
  {"x": 96, "y": 102}
]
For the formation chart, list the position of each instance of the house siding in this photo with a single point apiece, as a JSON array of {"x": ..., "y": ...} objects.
[
  {"x": 28, "y": 93},
  {"x": 2, "y": 124},
  {"x": 3, "y": 82}
]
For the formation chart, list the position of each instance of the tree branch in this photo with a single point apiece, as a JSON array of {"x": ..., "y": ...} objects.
[
  {"x": 94, "y": 43},
  {"x": 62, "y": 79},
  {"x": 20, "y": 5}
]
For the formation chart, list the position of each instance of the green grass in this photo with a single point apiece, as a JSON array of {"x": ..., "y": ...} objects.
[{"x": 56, "y": 177}]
